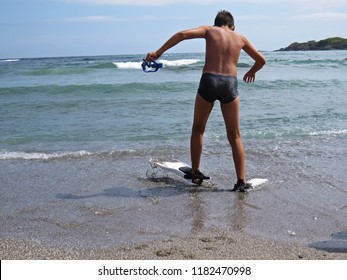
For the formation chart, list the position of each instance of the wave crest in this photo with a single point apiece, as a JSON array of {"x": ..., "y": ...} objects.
[
  {"x": 179, "y": 63},
  {"x": 22, "y": 155},
  {"x": 127, "y": 65},
  {"x": 42, "y": 156},
  {"x": 166, "y": 63}
]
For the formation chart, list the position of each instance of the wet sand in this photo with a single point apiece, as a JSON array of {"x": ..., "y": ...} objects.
[
  {"x": 208, "y": 246},
  {"x": 110, "y": 208}
]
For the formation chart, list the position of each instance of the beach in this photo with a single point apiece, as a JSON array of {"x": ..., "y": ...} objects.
[
  {"x": 77, "y": 135},
  {"x": 213, "y": 246},
  {"x": 90, "y": 209}
]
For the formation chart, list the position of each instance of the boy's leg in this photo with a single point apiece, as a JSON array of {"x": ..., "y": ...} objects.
[
  {"x": 231, "y": 117},
  {"x": 201, "y": 113}
]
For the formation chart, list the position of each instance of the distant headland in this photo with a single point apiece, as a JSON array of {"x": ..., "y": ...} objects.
[{"x": 335, "y": 43}]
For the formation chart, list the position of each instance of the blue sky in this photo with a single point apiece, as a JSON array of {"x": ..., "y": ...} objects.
[{"x": 42, "y": 28}]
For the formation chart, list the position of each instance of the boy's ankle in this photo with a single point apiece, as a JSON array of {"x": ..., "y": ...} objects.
[{"x": 241, "y": 182}]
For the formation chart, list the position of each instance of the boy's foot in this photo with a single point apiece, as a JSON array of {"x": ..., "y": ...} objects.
[
  {"x": 241, "y": 186},
  {"x": 197, "y": 177}
]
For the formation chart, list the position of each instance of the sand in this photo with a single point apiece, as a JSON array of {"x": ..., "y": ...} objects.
[
  {"x": 89, "y": 209},
  {"x": 213, "y": 245}
]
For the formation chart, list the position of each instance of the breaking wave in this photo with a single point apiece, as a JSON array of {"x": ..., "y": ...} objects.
[{"x": 167, "y": 63}]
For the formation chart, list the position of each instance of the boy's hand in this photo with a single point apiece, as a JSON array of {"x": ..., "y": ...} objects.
[
  {"x": 249, "y": 77},
  {"x": 152, "y": 56}
]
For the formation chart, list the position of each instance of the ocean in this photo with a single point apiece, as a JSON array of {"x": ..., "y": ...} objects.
[{"x": 77, "y": 134}]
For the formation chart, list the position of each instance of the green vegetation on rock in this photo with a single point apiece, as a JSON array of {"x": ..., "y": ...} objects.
[{"x": 334, "y": 43}]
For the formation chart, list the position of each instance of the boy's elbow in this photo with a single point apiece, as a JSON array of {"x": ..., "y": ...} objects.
[
  {"x": 181, "y": 36},
  {"x": 263, "y": 60}
]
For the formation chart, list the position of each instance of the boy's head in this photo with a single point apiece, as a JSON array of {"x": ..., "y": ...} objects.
[{"x": 224, "y": 18}]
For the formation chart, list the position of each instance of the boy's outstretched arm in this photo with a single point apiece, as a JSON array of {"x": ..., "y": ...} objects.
[
  {"x": 198, "y": 32},
  {"x": 258, "y": 58}
]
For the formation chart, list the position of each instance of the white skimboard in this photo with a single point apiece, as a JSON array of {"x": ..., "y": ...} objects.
[
  {"x": 257, "y": 182},
  {"x": 183, "y": 169},
  {"x": 179, "y": 168}
]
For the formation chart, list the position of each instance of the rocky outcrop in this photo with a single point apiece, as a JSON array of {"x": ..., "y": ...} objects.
[{"x": 335, "y": 43}]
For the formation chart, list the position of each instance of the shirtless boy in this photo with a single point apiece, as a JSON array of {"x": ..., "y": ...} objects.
[{"x": 218, "y": 82}]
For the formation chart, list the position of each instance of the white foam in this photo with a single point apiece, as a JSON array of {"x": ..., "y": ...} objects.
[
  {"x": 328, "y": 132},
  {"x": 9, "y": 60},
  {"x": 41, "y": 156},
  {"x": 127, "y": 65},
  {"x": 179, "y": 62},
  {"x": 168, "y": 63}
]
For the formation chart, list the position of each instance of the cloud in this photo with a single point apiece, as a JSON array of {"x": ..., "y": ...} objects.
[
  {"x": 89, "y": 19},
  {"x": 258, "y": 17},
  {"x": 96, "y": 19},
  {"x": 310, "y": 3},
  {"x": 142, "y": 2},
  {"x": 323, "y": 16},
  {"x": 82, "y": 19}
]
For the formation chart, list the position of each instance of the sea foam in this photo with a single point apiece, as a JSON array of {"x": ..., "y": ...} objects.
[
  {"x": 41, "y": 156},
  {"x": 166, "y": 63}
]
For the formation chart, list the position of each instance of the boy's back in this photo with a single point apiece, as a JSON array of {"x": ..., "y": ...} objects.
[{"x": 223, "y": 47}]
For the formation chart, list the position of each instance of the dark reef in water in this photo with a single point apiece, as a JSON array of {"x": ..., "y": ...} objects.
[{"x": 335, "y": 43}]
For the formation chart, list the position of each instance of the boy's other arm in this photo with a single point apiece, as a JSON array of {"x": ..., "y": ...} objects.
[
  {"x": 258, "y": 58},
  {"x": 198, "y": 32}
]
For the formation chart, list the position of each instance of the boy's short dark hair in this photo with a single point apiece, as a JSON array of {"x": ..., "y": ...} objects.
[{"x": 224, "y": 18}]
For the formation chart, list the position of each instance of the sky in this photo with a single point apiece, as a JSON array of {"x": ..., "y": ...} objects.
[{"x": 51, "y": 28}]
